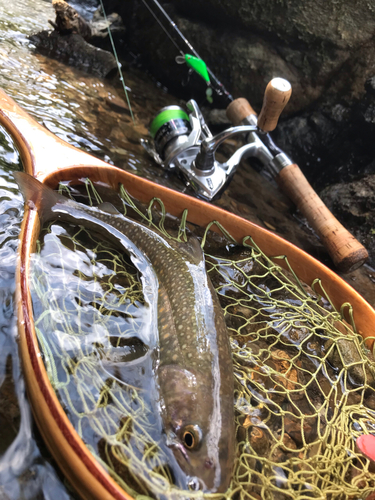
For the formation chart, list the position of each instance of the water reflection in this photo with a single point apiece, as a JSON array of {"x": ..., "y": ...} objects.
[
  {"x": 74, "y": 106},
  {"x": 25, "y": 471}
]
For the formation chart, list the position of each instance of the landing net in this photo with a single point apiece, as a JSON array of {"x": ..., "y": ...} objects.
[{"x": 304, "y": 379}]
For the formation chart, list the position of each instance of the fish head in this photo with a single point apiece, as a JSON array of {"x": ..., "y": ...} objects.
[{"x": 202, "y": 442}]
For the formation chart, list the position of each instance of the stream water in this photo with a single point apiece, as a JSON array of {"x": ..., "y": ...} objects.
[{"x": 73, "y": 106}]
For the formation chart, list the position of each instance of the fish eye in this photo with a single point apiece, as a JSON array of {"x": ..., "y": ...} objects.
[{"x": 191, "y": 437}]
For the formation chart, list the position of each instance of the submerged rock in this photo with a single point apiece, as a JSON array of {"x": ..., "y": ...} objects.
[{"x": 346, "y": 353}]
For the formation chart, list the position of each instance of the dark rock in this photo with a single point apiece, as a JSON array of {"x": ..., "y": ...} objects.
[
  {"x": 9, "y": 409},
  {"x": 74, "y": 50},
  {"x": 117, "y": 104},
  {"x": 342, "y": 23},
  {"x": 100, "y": 27},
  {"x": 370, "y": 85},
  {"x": 333, "y": 143},
  {"x": 216, "y": 117},
  {"x": 318, "y": 47}
]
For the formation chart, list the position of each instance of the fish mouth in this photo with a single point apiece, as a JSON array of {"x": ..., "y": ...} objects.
[
  {"x": 180, "y": 447},
  {"x": 193, "y": 483}
]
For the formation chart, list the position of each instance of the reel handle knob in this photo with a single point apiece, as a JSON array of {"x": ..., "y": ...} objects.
[
  {"x": 238, "y": 110},
  {"x": 276, "y": 97}
]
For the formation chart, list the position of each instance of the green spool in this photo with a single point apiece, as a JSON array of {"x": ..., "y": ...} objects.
[{"x": 166, "y": 115}]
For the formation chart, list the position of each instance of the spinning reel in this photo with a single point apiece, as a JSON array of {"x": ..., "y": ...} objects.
[{"x": 183, "y": 142}]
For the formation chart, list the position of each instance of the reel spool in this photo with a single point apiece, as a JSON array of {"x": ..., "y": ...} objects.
[{"x": 170, "y": 129}]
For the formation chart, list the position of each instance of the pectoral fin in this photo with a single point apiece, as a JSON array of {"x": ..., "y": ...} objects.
[
  {"x": 109, "y": 208},
  {"x": 193, "y": 250},
  {"x": 39, "y": 196}
]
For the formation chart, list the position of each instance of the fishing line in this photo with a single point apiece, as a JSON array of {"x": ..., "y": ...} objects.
[
  {"x": 163, "y": 28},
  {"x": 219, "y": 87},
  {"x": 117, "y": 62}
]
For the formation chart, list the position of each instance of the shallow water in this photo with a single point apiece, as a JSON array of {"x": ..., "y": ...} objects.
[{"x": 72, "y": 105}]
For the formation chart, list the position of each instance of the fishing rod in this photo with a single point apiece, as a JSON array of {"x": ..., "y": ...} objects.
[
  {"x": 192, "y": 59},
  {"x": 182, "y": 141}
]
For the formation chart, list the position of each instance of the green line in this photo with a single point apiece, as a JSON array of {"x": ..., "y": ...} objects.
[{"x": 117, "y": 62}]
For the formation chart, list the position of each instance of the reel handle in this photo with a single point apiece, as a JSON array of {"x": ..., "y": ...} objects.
[
  {"x": 345, "y": 250},
  {"x": 276, "y": 97}
]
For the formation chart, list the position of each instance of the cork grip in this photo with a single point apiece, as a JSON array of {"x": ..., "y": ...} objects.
[
  {"x": 238, "y": 110},
  {"x": 276, "y": 97},
  {"x": 346, "y": 252}
]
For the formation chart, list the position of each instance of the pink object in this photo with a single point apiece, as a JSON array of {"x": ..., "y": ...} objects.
[{"x": 366, "y": 444}]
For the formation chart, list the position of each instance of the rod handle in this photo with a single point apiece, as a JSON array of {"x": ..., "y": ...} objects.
[
  {"x": 276, "y": 97},
  {"x": 238, "y": 110},
  {"x": 345, "y": 250}
]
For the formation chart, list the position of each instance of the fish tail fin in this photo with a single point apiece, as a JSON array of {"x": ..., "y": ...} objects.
[{"x": 37, "y": 195}]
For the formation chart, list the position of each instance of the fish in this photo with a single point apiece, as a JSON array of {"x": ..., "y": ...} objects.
[{"x": 194, "y": 369}]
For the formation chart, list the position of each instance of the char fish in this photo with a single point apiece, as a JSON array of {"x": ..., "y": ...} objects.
[{"x": 194, "y": 370}]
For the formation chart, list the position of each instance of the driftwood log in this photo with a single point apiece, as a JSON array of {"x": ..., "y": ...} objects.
[
  {"x": 73, "y": 50},
  {"x": 69, "y": 21},
  {"x": 69, "y": 42}
]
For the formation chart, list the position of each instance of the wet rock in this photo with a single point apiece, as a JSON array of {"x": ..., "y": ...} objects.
[
  {"x": 301, "y": 430},
  {"x": 287, "y": 443},
  {"x": 286, "y": 375},
  {"x": 74, "y": 50},
  {"x": 370, "y": 401},
  {"x": 259, "y": 441},
  {"x": 9, "y": 409}
]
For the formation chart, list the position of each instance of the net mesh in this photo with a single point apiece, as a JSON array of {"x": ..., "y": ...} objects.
[{"x": 304, "y": 379}]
